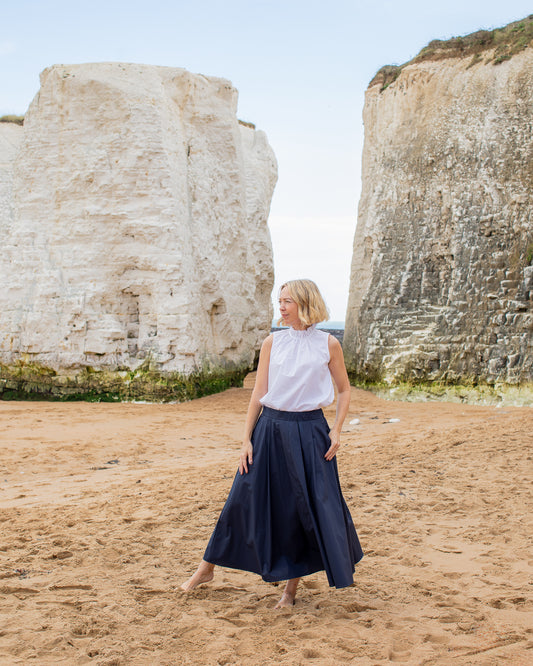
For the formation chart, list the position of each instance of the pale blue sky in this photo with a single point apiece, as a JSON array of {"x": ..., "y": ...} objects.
[{"x": 301, "y": 68}]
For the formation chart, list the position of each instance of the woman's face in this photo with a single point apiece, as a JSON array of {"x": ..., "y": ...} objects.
[{"x": 288, "y": 309}]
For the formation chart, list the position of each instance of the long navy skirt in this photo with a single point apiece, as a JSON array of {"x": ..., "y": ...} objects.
[{"x": 287, "y": 517}]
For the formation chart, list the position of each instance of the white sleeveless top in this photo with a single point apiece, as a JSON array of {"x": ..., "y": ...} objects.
[{"x": 299, "y": 379}]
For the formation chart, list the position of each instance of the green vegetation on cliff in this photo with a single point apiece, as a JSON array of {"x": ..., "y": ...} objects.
[
  {"x": 473, "y": 393},
  {"x": 29, "y": 381},
  {"x": 489, "y": 46},
  {"x": 17, "y": 120}
]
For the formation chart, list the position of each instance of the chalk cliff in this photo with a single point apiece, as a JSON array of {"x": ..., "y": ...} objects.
[
  {"x": 133, "y": 230},
  {"x": 442, "y": 275},
  {"x": 10, "y": 139}
]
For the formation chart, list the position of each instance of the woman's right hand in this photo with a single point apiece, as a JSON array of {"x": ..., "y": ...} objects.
[{"x": 246, "y": 456}]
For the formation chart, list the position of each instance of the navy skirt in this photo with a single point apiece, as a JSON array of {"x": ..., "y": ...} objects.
[{"x": 287, "y": 517}]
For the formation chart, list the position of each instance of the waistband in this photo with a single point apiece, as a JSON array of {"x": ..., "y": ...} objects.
[{"x": 279, "y": 415}]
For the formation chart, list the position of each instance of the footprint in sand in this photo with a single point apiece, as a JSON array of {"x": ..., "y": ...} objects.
[
  {"x": 308, "y": 653},
  {"x": 60, "y": 555},
  {"x": 400, "y": 651},
  {"x": 437, "y": 639},
  {"x": 18, "y": 590},
  {"x": 356, "y": 607},
  {"x": 498, "y": 603}
]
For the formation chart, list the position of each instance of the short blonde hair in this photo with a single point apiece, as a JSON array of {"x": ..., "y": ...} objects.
[{"x": 306, "y": 295}]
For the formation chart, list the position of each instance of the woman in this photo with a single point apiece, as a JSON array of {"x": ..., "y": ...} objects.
[{"x": 285, "y": 516}]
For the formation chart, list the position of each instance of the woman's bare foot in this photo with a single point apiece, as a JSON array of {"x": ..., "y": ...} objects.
[
  {"x": 203, "y": 574},
  {"x": 288, "y": 598},
  {"x": 286, "y": 601}
]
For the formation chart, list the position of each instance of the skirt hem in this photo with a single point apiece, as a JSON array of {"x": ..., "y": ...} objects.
[{"x": 278, "y": 579}]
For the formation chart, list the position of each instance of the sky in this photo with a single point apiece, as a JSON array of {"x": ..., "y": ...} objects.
[{"x": 301, "y": 68}]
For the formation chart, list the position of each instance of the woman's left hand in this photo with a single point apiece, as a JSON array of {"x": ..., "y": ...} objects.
[{"x": 335, "y": 438}]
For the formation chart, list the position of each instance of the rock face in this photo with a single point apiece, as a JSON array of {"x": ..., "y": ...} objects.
[
  {"x": 442, "y": 281},
  {"x": 133, "y": 227},
  {"x": 10, "y": 139}
]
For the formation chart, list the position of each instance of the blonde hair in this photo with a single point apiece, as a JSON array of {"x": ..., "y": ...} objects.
[{"x": 306, "y": 295}]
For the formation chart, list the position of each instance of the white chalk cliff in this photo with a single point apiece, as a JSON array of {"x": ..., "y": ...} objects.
[
  {"x": 133, "y": 224},
  {"x": 442, "y": 272},
  {"x": 10, "y": 139}
]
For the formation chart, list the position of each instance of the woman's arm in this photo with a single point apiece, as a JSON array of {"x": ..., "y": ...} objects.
[
  {"x": 254, "y": 408},
  {"x": 340, "y": 377}
]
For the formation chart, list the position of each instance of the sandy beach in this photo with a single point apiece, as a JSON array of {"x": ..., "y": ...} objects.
[{"x": 106, "y": 508}]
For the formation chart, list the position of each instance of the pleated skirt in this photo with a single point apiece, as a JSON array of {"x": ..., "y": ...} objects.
[{"x": 287, "y": 517}]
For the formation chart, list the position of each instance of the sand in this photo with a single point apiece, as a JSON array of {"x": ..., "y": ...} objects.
[{"x": 106, "y": 508}]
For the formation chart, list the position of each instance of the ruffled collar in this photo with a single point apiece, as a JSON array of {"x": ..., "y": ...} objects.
[{"x": 304, "y": 333}]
